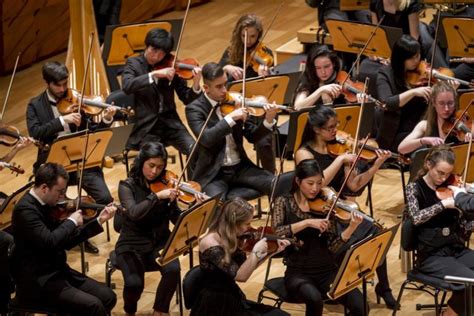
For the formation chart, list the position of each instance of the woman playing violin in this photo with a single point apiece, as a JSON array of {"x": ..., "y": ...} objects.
[
  {"x": 223, "y": 263},
  {"x": 321, "y": 131},
  {"x": 233, "y": 56},
  {"x": 312, "y": 268},
  {"x": 441, "y": 231},
  {"x": 317, "y": 84},
  {"x": 429, "y": 132},
  {"x": 145, "y": 229}
]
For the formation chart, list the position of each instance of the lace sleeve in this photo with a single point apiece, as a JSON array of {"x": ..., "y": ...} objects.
[
  {"x": 214, "y": 257},
  {"x": 278, "y": 218},
  {"x": 335, "y": 241},
  {"x": 420, "y": 216}
]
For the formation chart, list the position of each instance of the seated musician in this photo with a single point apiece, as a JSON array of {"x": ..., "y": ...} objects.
[
  {"x": 405, "y": 105},
  {"x": 223, "y": 264},
  {"x": 441, "y": 230},
  {"x": 153, "y": 82},
  {"x": 312, "y": 268},
  {"x": 145, "y": 229},
  {"x": 429, "y": 132},
  {"x": 6, "y": 241},
  {"x": 39, "y": 262},
  {"x": 320, "y": 132},
  {"x": 222, "y": 162},
  {"x": 317, "y": 84},
  {"x": 232, "y": 63},
  {"x": 46, "y": 123}
]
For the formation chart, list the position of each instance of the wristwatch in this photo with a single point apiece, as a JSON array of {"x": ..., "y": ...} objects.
[{"x": 258, "y": 254}]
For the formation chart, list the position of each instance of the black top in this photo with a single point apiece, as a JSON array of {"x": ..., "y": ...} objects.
[
  {"x": 146, "y": 220},
  {"x": 315, "y": 255},
  {"x": 400, "y": 18},
  {"x": 324, "y": 161}
]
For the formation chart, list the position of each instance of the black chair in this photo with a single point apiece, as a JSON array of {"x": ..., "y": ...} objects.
[{"x": 192, "y": 284}]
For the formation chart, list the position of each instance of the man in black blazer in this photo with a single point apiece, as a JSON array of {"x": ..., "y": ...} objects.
[
  {"x": 45, "y": 123},
  {"x": 222, "y": 162},
  {"x": 39, "y": 262},
  {"x": 155, "y": 117}
]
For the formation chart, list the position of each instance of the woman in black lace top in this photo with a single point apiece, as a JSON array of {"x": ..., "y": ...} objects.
[
  {"x": 145, "y": 230},
  {"x": 223, "y": 263},
  {"x": 311, "y": 268},
  {"x": 441, "y": 229}
]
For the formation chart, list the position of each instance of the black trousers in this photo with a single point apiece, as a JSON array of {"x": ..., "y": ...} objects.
[
  {"x": 460, "y": 264},
  {"x": 93, "y": 183},
  {"x": 78, "y": 297},
  {"x": 241, "y": 175},
  {"x": 311, "y": 290},
  {"x": 6, "y": 287},
  {"x": 133, "y": 267}
]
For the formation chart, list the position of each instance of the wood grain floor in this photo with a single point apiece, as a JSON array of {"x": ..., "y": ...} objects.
[{"x": 207, "y": 35}]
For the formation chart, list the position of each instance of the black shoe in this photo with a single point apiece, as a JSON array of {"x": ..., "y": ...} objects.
[
  {"x": 387, "y": 296},
  {"x": 90, "y": 248}
]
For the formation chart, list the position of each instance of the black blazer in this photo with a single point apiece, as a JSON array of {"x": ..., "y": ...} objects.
[
  {"x": 152, "y": 100},
  {"x": 44, "y": 127},
  {"x": 40, "y": 244},
  {"x": 211, "y": 148}
]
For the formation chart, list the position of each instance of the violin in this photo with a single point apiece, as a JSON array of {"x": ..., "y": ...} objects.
[
  {"x": 66, "y": 105},
  {"x": 350, "y": 89},
  {"x": 443, "y": 192},
  {"x": 169, "y": 180},
  {"x": 184, "y": 67},
  {"x": 10, "y": 136},
  {"x": 343, "y": 210},
  {"x": 255, "y": 104},
  {"x": 463, "y": 127},
  {"x": 87, "y": 205},
  {"x": 14, "y": 169},
  {"x": 344, "y": 143},
  {"x": 251, "y": 236},
  {"x": 419, "y": 77},
  {"x": 260, "y": 57}
]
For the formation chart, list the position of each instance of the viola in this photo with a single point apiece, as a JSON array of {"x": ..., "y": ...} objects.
[
  {"x": 184, "y": 67},
  {"x": 252, "y": 235},
  {"x": 14, "y": 169},
  {"x": 10, "y": 136},
  {"x": 255, "y": 104},
  {"x": 420, "y": 76},
  {"x": 169, "y": 181},
  {"x": 87, "y": 205},
  {"x": 350, "y": 89},
  {"x": 260, "y": 57},
  {"x": 463, "y": 127},
  {"x": 344, "y": 143},
  {"x": 90, "y": 106},
  {"x": 322, "y": 204}
]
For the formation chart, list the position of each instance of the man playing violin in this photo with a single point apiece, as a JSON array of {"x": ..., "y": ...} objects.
[
  {"x": 40, "y": 267},
  {"x": 45, "y": 124},
  {"x": 152, "y": 81},
  {"x": 222, "y": 162}
]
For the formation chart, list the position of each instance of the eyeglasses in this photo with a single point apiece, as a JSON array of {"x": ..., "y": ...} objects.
[
  {"x": 330, "y": 129},
  {"x": 447, "y": 104}
]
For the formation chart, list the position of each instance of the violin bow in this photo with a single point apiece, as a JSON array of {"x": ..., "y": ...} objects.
[
  {"x": 433, "y": 48},
  {"x": 260, "y": 41},
  {"x": 10, "y": 86},
  {"x": 359, "y": 120},
  {"x": 178, "y": 45},
  {"x": 334, "y": 203},
  {"x": 466, "y": 163},
  {"x": 359, "y": 55},
  {"x": 456, "y": 122}
]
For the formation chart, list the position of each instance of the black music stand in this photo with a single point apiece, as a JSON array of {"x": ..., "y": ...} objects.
[
  {"x": 351, "y": 37},
  {"x": 191, "y": 224},
  {"x": 6, "y": 209},
  {"x": 68, "y": 151},
  {"x": 360, "y": 262}
]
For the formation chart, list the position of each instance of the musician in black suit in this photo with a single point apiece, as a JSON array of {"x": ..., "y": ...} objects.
[
  {"x": 221, "y": 159},
  {"x": 39, "y": 262},
  {"x": 153, "y": 82},
  {"x": 45, "y": 124},
  {"x": 6, "y": 240}
]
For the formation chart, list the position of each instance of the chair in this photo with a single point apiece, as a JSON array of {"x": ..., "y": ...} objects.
[{"x": 192, "y": 284}]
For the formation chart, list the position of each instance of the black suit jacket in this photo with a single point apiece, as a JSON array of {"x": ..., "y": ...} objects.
[
  {"x": 211, "y": 148},
  {"x": 152, "y": 100},
  {"x": 44, "y": 127},
  {"x": 40, "y": 244}
]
